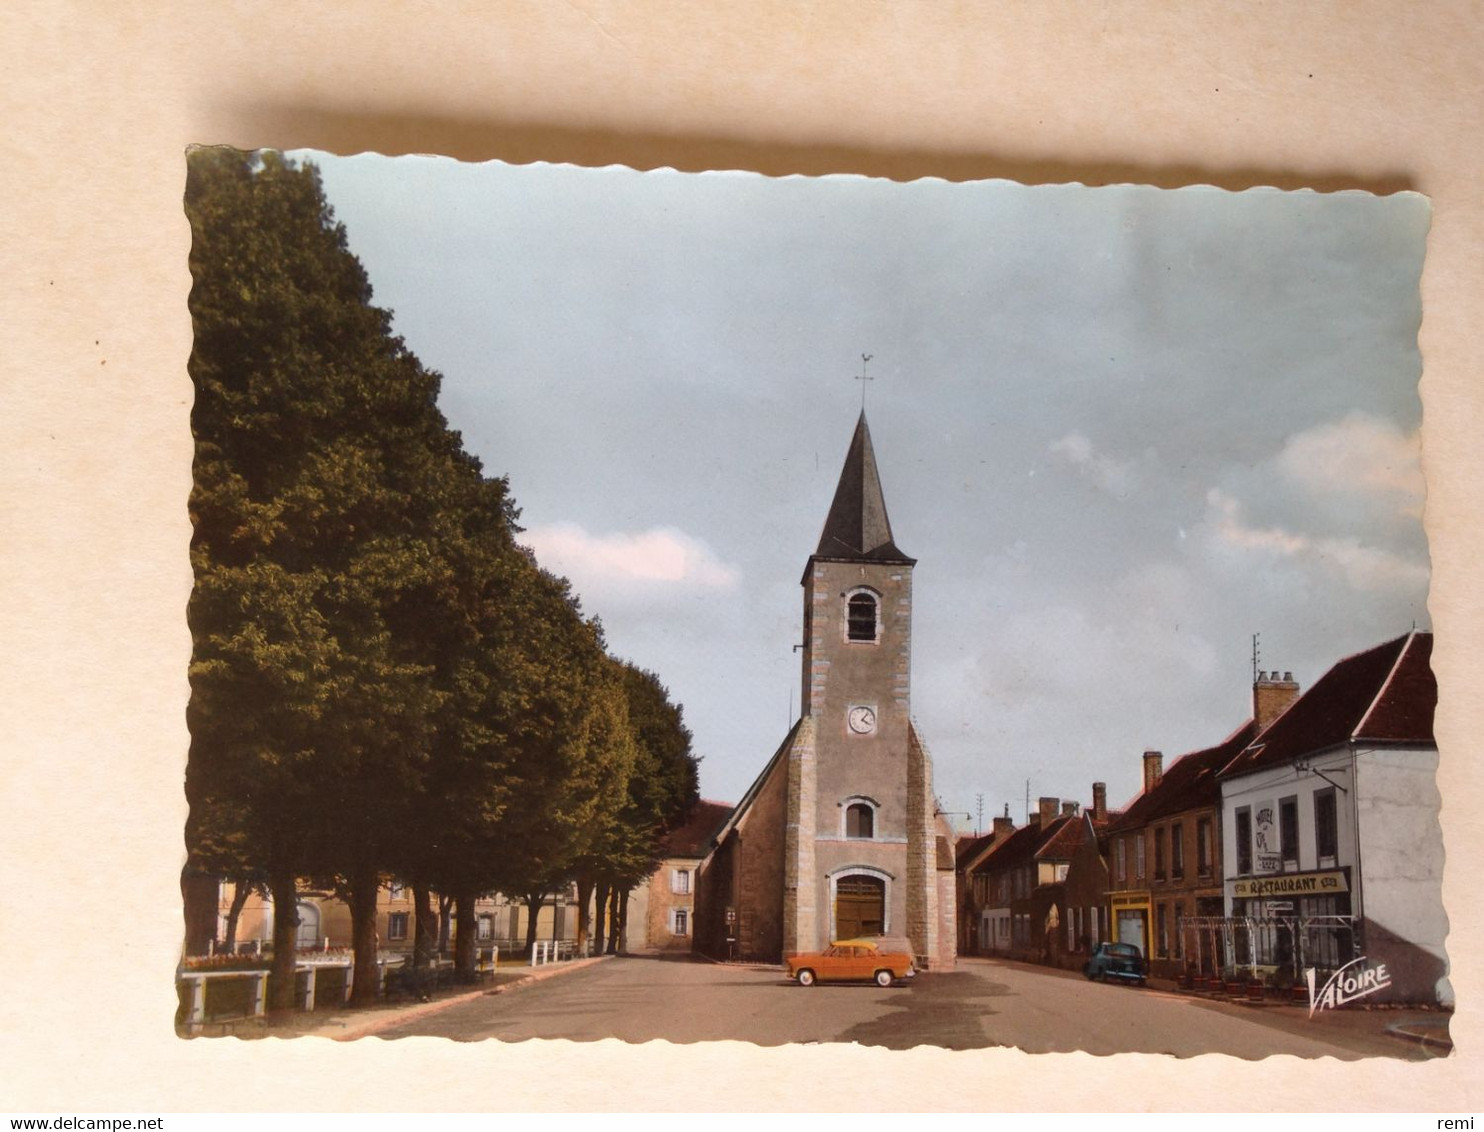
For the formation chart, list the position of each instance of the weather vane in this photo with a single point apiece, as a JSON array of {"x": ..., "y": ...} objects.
[{"x": 863, "y": 377}]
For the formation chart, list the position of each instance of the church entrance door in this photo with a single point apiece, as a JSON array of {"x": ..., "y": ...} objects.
[{"x": 860, "y": 907}]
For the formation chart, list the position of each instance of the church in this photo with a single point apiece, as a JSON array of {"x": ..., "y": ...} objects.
[{"x": 840, "y": 836}]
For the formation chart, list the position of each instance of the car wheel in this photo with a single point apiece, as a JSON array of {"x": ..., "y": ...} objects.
[
  {"x": 1088, "y": 972},
  {"x": 883, "y": 978},
  {"x": 806, "y": 978}
]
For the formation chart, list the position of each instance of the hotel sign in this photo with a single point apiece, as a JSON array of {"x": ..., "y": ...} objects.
[{"x": 1292, "y": 884}]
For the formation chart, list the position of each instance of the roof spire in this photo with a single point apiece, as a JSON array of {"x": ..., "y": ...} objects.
[{"x": 857, "y": 526}]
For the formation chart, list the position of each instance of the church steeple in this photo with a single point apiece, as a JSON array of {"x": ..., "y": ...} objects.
[{"x": 857, "y": 527}]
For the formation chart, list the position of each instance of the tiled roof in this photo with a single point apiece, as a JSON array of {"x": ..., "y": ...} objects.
[
  {"x": 969, "y": 847},
  {"x": 693, "y": 838},
  {"x": 1063, "y": 842},
  {"x": 1025, "y": 844},
  {"x": 1384, "y": 695},
  {"x": 1189, "y": 782}
]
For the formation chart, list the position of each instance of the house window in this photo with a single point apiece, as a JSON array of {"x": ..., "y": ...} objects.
[
  {"x": 1060, "y": 873},
  {"x": 860, "y": 821},
  {"x": 1139, "y": 857},
  {"x": 860, "y": 617},
  {"x": 680, "y": 881},
  {"x": 1161, "y": 916},
  {"x": 485, "y": 926},
  {"x": 1121, "y": 864},
  {"x": 1159, "y": 854},
  {"x": 1203, "y": 847},
  {"x": 1179, "y": 930},
  {"x": 1177, "y": 852},
  {"x": 1326, "y": 828},
  {"x": 395, "y": 891},
  {"x": 1244, "y": 841},
  {"x": 1288, "y": 831},
  {"x": 682, "y": 921},
  {"x": 1071, "y": 931},
  {"x": 396, "y": 925}
]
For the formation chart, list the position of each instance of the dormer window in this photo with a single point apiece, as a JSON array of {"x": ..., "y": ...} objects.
[{"x": 861, "y": 617}]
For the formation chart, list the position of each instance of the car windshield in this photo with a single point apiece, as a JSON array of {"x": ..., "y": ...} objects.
[{"x": 1127, "y": 950}]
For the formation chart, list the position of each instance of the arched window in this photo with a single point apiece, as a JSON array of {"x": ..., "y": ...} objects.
[
  {"x": 860, "y": 821},
  {"x": 860, "y": 617}
]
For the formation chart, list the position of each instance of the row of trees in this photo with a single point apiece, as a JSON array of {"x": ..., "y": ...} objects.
[{"x": 383, "y": 683}]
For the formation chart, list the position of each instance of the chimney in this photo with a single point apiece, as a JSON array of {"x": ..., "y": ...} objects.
[
  {"x": 1047, "y": 811},
  {"x": 1271, "y": 695},
  {"x": 1069, "y": 809},
  {"x": 1099, "y": 801},
  {"x": 1154, "y": 768},
  {"x": 1004, "y": 825}
]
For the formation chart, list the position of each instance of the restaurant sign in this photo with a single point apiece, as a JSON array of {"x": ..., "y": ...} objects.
[{"x": 1291, "y": 884}]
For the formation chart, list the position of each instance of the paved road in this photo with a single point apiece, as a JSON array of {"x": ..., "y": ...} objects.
[{"x": 983, "y": 1003}]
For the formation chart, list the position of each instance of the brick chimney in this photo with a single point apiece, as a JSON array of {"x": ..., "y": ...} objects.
[
  {"x": 1154, "y": 768},
  {"x": 1099, "y": 801},
  {"x": 1046, "y": 811},
  {"x": 1004, "y": 825},
  {"x": 1069, "y": 809},
  {"x": 1271, "y": 695}
]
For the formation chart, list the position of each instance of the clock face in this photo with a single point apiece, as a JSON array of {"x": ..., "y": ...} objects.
[{"x": 862, "y": 720}]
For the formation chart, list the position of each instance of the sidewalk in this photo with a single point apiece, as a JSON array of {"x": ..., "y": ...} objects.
[
  {"x": 1418, "y": 1027},
  {"x": 345, "y": 1024}
]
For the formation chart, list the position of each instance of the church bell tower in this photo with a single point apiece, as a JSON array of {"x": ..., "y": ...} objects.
[{"x": 861, "y": 829}]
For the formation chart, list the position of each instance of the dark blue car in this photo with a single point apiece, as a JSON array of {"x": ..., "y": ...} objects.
[{"x": 1116, "y": 961}]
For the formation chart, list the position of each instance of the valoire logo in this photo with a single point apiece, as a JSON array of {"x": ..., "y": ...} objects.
[{"x": 1350, "y": 982}]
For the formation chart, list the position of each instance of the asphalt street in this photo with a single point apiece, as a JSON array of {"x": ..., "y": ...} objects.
[{"x": 984, "y": 1003}]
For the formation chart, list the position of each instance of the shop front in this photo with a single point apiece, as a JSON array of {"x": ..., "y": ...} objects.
[{"x": 1130, "y": 913}]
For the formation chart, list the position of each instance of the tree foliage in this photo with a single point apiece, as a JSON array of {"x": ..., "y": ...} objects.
[{"x": 383, "y": 682}]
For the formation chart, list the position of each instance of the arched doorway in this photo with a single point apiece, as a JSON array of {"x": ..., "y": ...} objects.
[{"x": 860, "y": 906}]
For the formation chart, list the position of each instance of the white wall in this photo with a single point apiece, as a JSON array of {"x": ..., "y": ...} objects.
[{"x": 1401, "y": 846}]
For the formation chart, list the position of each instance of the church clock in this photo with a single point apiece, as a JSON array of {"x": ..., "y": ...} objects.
[{"x": 862, "y": 720}]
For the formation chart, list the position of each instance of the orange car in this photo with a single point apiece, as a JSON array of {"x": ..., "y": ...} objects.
[{"x": 848, "y": 960}]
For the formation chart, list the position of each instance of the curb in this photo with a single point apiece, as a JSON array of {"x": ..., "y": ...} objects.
[
  {"x": 424, "y": 1010},
  {"x": 1408, "y": 1032}
]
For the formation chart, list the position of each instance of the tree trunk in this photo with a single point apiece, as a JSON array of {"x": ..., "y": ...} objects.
[
  {"x": 240, "y": 892},
  {"x": 615, "y": 896},
  {"x": 445, "y": 923},
  {"x": 366, "y": 982},
  {"x": 623, "y": 920},
  {"x": 425, "y": 934},
  {"x": 465, "y": 958},
  {"x": 285, "y": 937},
  {"x": 600, "y": 926},
  {"x": 584, "y": 915},
  {"x": 534, "y": 900}
]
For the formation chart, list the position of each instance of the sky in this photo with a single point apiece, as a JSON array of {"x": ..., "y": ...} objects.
[{"x": 1121, "y": 429}]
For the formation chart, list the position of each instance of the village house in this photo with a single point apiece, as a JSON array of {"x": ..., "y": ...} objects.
[
  {"x": 1024, "y": 878},
  {"x": 662, "y": 911},
  {"x": 1331, "y": 841}
]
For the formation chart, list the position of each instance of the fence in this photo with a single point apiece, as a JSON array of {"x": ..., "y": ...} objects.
[
  {"x": 209, "y": 996},
  {"x": 1268, "y": 945}
]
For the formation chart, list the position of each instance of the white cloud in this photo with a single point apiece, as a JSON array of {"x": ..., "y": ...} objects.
[
  {"x": 1358, "y": 453},
  {"x": 1116, "y": 477},
  {"x": 1367, "y": 568},
  {"x": 662, "y": 554}
]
